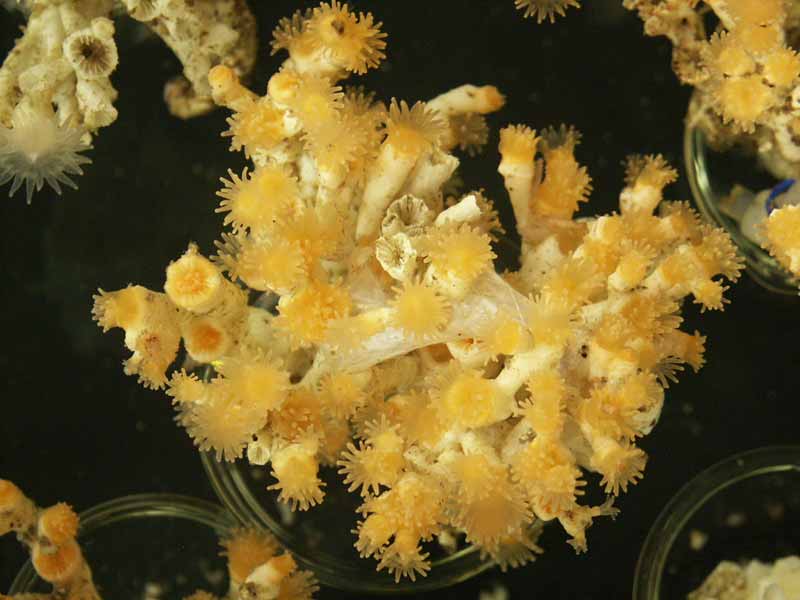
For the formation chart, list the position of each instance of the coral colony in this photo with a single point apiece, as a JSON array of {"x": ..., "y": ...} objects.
[
  {"x": 745, "y": 74},
  {"x": 55, "y": 92},
  {"x": 255, "y": 568},
  {"x": 746, "y": 77},
  {"x": 383, "y": 343},
  {"x": 753, "y": 580}
]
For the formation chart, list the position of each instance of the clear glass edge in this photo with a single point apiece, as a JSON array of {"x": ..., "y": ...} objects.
[{"x": 683, "y": 505}]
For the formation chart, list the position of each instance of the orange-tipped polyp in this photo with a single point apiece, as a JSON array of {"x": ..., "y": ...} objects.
[
  {"x": 193, "y": 282},
  {"x": 10, "y": 495},
  {"x": 59, "y": 523},
  {"x": 57, "y": 565}
]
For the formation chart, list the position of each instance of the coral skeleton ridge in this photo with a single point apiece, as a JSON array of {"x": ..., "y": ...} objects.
[
  {"x": 353, "y": 319},
  {"x": 55, "y": 91},
  {"x": 256, "y": 570}
]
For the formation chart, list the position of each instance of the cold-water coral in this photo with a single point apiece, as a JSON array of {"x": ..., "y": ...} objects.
[
  {"x": 782, "y": 236},
  {"x": 741, "y": 581},
  {"x": 256, "y": 567},
  {"x": 452, "y": 398},
  {"x": 49, "y": 534},
  {"x": 55, "y": 87},
  {"x": 745, "y": 74}
]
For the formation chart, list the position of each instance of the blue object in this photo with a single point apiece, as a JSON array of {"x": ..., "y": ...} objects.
[{"x": 777, "y": 191}]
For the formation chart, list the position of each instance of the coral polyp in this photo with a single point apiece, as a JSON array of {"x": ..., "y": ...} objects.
[
  {"x": 545, "y": 9},
  {"x": 37, "y": 150}
]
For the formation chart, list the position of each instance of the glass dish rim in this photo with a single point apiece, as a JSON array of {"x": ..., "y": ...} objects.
[
  {"x": 760, "y": 264},
  {"x": 135, "y": 506},
  {"x": 237, "y": 498},
  {"x": 691, "y": 497}
]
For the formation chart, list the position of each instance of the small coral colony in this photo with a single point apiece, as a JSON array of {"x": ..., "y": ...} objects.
[
  {"x": 256, "y": 570},
  {"x": 351, "y": 317}
]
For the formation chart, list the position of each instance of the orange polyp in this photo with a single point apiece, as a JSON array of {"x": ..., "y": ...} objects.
[
  {"x": 756, "y": 12},
  {"x": 10, "y": 495},
  {"x": 124, "y": 308},
  {"x": 185, "y": 389},
  {"x": 221, "y": 77},
  {"x": 419, "y": 310},
  {"x": 307, "y": 313},
  {"x": 256, "y": 126},
  {"x": 756, "y": 39},
  {"x": 282, "y": 85},
  {"x": 461, "y": 254},
  {"x": 193, "y": 282},
  {"x": 744, "y": 99},
  {"x": 565, "y": 184},
  {"x": 283, "y": 564},
  {"x": 782, "y": 230},
  {"x": 247, "y": 549},
  {"x": 469, "y": 401},
  {"x": 782, "y": 67},
  {"x": 58, "y": 523},
  {"x": 256, "y": 381},
  {"x": 60, "y": 565},
  {"x": 206, "y": 337},
  {"x": 412, "y": 130},
  {"x": 352, "y": 41},
  {"x": 374, "y": 532},
  {"x": 493, "y": 98},
  {"x": 518, "y": 144}
]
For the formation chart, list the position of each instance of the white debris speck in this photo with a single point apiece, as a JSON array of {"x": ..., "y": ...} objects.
[
  {"x": 286, "y": 513},
  {"x": 447, "y": 541},
  {"x": 697, "y": 539},
  {"x": 735, "y": 519},
  {"x": 775, "y": 510},
  {"x": 152, "y": 591},
  {"x": 498, "y": 592}
]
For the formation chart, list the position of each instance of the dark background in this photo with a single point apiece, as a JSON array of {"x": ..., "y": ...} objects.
[{"x": 73, "y": 427}]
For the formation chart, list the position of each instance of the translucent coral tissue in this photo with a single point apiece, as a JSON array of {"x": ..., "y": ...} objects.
[{"x": 450, "y": 397}]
